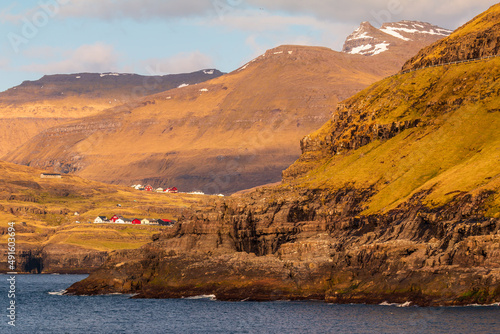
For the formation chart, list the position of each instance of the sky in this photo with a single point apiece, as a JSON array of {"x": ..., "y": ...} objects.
[{"x": 157, "y": 37}]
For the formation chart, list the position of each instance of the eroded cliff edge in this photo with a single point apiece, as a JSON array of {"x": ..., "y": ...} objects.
[{"x": 305, "y": 244}]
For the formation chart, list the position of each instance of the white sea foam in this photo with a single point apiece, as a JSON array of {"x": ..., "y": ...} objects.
[
  {"x": 209, "y": 297},
  {"x": 57, "y": 293},
  {"x": 405, "y": 304},
  {"x": 483, "y": 305}
]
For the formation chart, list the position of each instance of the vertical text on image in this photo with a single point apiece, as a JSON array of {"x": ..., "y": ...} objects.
[{"x": 11, "y": 280}]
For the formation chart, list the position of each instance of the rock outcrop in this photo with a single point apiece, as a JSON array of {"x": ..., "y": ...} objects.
[
  {"x": 476, "y": 39},
  {"x": 61, "y": 259},
  {"x": 350, "y": 129}
]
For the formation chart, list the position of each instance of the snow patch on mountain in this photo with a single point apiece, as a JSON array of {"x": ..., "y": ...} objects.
[
  {"x": 381, "y": 47},
  {"x": 391, "y": 31},
  {"x": 358, "y": 36},
  {"x": 369, "y": 49},
  {"x": 369, "y": 41},
  {"x": 109, "y": 74},
  {"x": 361, "y": 49}
]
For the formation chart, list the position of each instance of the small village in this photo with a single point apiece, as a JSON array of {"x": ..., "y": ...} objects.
[
  {"x": 116, "y": 219},
  {"x": 150, "y": 188}
]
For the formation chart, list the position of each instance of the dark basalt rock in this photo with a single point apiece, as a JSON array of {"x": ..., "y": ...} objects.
[{"x": 311, "y": 244}]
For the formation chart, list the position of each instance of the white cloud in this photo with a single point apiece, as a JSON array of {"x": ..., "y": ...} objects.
[
  {"x": 184, "y": 62},
  {"x": 96, "y": 57},
  {"x": 139, "y": 10},
  {"x": 4, "y": 63},
  {"x": 280, "y": 29},
  {"x": 448, "y": 13}
]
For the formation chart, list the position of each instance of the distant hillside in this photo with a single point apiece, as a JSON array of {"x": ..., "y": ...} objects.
[
  {"x": 231, "y": 133},
  {"x": 46, "y": 212},
  {"x": 34, "y": 106}
]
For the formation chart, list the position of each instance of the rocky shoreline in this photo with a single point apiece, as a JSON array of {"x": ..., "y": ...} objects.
[
  {"x": 54, "y": 259},
  {"x": 299, "y": 244}
]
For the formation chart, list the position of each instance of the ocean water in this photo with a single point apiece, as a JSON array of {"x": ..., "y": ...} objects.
[{"x": 41, "y": 308}]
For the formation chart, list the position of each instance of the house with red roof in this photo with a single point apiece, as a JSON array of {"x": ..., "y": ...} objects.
[{"x": 115, "y": 218}]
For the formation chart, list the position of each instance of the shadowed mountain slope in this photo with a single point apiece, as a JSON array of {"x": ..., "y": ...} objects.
[{"x": 34, "y": 106}]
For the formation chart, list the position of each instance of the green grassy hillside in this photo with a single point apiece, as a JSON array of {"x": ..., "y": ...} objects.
[{"x": 454, "y": 149}]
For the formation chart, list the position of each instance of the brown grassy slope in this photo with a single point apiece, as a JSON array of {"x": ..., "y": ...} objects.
[
  {"x": 234, "y": 132},
  {"x": 34, "y": 106}
]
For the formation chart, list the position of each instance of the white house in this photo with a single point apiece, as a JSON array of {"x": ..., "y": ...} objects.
[
  {"x": 145, "y": 221},
  {"x": 120, "y": 221},
  {"x": 100, "y": 219}
]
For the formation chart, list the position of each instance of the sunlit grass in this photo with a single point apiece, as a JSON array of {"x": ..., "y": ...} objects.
[{"x": 453, "y": 150}]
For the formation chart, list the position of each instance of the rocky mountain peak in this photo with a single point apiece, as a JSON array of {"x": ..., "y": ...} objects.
[
  {"x": 369, "y": 41},
  {"x": 413, "y": 30}
]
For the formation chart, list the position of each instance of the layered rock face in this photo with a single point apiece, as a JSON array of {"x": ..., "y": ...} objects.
[
  {"x": 61, "y": 259},
  {"x": 351, "y": 128},
  {"x": 304, "y": 244}
]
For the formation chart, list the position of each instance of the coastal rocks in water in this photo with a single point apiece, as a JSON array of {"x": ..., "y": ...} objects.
[{"x": 54, "y": 258}]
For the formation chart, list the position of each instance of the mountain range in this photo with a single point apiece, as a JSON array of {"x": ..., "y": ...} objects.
[
  {"x": 393, "y": 195},
  {"x": 394, "y": 199},
  {"x": 234, "y": 132}
]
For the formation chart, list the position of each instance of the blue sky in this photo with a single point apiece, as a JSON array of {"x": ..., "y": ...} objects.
[{"x": 163, "y": 36}]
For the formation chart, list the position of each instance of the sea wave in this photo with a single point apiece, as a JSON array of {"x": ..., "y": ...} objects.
[
  {"x": 405, "y": 304},
  {"x": 210, "y": 297},
  {"x": 482, "y": 305},
  {"x": 57, "y": 293}
]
